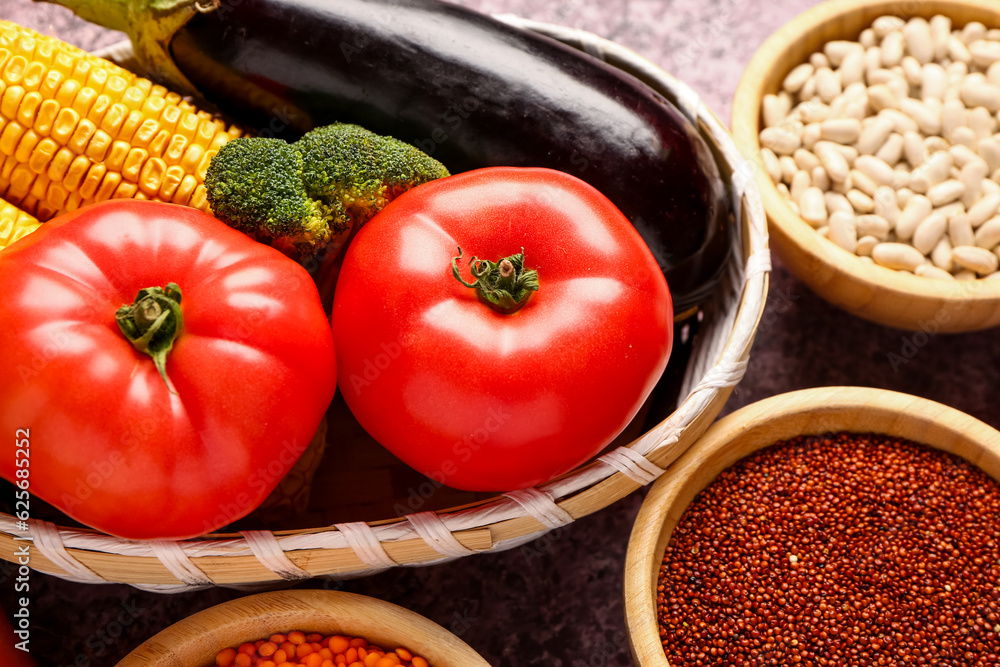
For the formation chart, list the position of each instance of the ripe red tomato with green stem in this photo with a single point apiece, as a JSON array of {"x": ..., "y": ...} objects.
[
  {"x": 495, "y": 389},
  {"x": 167, "y": 369}
]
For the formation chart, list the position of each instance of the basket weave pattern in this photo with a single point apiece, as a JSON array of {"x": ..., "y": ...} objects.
[{"x": 254, "y": 559}]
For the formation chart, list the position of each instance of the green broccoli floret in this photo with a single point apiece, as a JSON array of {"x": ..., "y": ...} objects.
[{"x": 308, "y": 196}]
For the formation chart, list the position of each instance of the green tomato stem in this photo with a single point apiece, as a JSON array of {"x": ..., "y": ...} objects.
[
  {"x": 152, "y": 323},
  {"x": 505, "y": 286}
]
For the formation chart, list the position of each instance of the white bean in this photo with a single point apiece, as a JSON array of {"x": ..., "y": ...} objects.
[
  {"x": 945, "y": 192},
  {"x": 833, "y": 161},
  {"x": 972, "y": 31},
  {"x": 963, "y": 155},
  {"x": 872, "y": 225},
  {"x": 957, "y": 50},
  {"x": 901, "y": 122},
  {"x": 919, "y": 43},
  {"x": 965, "y": 136},
  {"x": 841, "y": 130},
  {"x": 873, "y": 135},
  {"x": 935, "y": 81},
  {"x": 931, "y": 271},
  {"x": 818, "y": 60},
  {"x": 838, "y": 49},
  {"x": 812, "y": 206},
  {"x": 820, "y": 178},
  {"x": 861, "y": 181},
  {"x": 837, "y": 202},
  {"x": 788, "y": 168},
  {"x": 776, "y": 108},
  {"x": 812, "y": 111},
  {"x": 973, "y": 258},
  {"x": 886, "y": 205},
  {"x": 933, "y": 171},
  {"x": 929, "y": 232},
  {"x": 892, "y": 46},
  {"x": 924, "y": 116},
  {"x": 827, "y": 84},
  {"x": 874, "y": 168},
  {"x": 883, "y": 25},
  {"x": 988, "y": 234},
  {"x": 903, "y": 197},
  {"x": 913, "y": 149},
  {"x": 940, "y": 33},
  {"x": 897, "y": 256},
  {"x": 900, "y": 178},
  {"x": 797, "y": 78},
  {"x": 891, "y": 151},
  {"x": 771, "y": 164},
  {"x": 993, "y": 73},
  {"x": 980, "y": 94},
  {"x": 800, "y": 181},
  {"x": 861, "y": 202},
  {"x": 865, "y": 245},
  {"x": 989, "y": 150},
  {"x": 867, "y": 38},
  {"x": 852, "y": 68},
  {"x": 972, "y": 176},
  {"x": 941, "y": 255},
  {"x": 982, "y": 122},
  {"x": 810, "y": 135},
  {"x": 804, "y": 159},
  {"x": 913, "y": 71},
  {"x": 880, "y": 96},
  {"x": 913, "y": 213},
  {"x": 960, "y": 230},
  {"x": 842, "y": 231},
  {"x": 984, "y": 52},
  {"x": 780, "y": 140},
  {"x": 984, "y": 209}
]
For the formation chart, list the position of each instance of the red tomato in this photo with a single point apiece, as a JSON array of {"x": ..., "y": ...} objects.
[
  {"x": 482, "y": 400},
  {"x": 110, "y": 443}
]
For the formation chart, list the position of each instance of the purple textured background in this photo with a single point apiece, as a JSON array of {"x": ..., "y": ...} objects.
[{"x": 558, "y": 602}]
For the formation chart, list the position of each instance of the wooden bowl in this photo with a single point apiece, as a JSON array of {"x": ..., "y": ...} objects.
[
  {"x": 195, "y": 641},
  {"x": 806, "y": 412},
  {"x": 873, "y": 292}
]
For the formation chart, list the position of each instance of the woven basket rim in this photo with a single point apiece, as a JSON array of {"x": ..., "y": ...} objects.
[{"x": 505, "y": 521}]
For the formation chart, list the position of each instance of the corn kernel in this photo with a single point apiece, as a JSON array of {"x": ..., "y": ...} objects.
[
  {"x": 152, "y": 175},
  {"x": 115, "y": 87},
  {"x": 4, "y": 56},
  {"x": 99, "y": 146},
  {"x": 43, "y": 211},
  {"x": 74, "y": 175},
  {"x": 67, "y": 92},
  {"x": 133, "y": 98},
  {"x": 42, "y": 155},
  {"x": 153, "y": 106},
  {"x": 56, "y": 196},
  {"x": 158, "y": 143},
  {"x": 88, "y": 188},
  {"x": 85, "y": 130},
  {"x": 97, "y": 78},
  {"x": 108, "y": 186},
  {"x": 145, "y": 133},
  {"x": 187, "y": 126},
  {"x": 46, "y": 116},
  {"x": 11, "y": 137},
  {"x": 81, "y": 69},
  {"x": 116, "y": 158},
  {"x": 125, "y": 190},
  {"x": 45, "y": 51},
  {"x": 38, "y": 188},
  {"x": 184, "y": 190},
  {"x": 175, "y": 149},
  {"x": 64, "y": 124},
  {"x": 28, "y": 108},
  {"x": 53, "y": 79},
  {"x": 25, "y": 147},
  {"x": 29, "y": 203},
  {"x": 33, "y": 76},
  {"x": 84, "y": 101},
  {"x": 63, "y": 63},
  {"x": 202, "y": 169},
  {"x": 10, "y": 101},
  {"x": 101, "y": 106},
  {"x": 131, "y": 124},
  {"x": 60, "y": 164},
  {"x": 133, "y": 164},
  {"x": 199, "y": 199},
  {"x": 171, "y": 180},
  {"x": 192, "y": 158},
  {"x": 20, "y": 182},
  {"x": 220, "y": 140},
  {"x": 113, "y": 119},
  {"x": 14, "y": 70},
  {"x": 170, "y": 117},
  {"x": 73, "y": 202},
  {"x": 173, "y": 98}
]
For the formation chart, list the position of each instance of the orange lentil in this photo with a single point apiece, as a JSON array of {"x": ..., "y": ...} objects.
[
  {"x": 226, "y": 658},
  {"x": 298, "y": 649}
]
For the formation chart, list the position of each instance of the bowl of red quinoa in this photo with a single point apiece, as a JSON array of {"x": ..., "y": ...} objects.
[{"x": 838, "y": 526}]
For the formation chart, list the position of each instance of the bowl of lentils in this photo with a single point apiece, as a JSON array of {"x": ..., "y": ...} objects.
[
  {"x": 304, "y": 628},
  {"x": 833, "y": 526},
  {"x": 873, "y": 126}
]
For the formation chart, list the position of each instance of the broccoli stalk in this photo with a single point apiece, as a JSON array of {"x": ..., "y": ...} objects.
[{"x": 305, "y": 198}]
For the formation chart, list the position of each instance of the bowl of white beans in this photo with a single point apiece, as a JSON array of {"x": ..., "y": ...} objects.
[{"x": 875, "y": 129}]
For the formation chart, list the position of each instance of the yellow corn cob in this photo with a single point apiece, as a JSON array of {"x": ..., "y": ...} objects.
[
  {"x": 76, "y": 129},
  {"x": 14, "y": 223}
]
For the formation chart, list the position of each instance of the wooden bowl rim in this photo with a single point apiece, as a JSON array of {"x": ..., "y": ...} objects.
[
  {"x": 189, "y": 642},
  {"x": 771, "y": 56},
  {"x": 814, "y": 411}
]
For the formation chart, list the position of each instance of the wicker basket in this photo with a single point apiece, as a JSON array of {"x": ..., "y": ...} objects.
[{"x": 259, "y": 558}]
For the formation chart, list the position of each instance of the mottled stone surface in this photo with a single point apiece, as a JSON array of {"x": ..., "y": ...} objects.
[{"x": 558, "y": 602}]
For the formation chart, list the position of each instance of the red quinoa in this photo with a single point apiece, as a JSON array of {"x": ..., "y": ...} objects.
[{"x": 843, "y": 550}]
